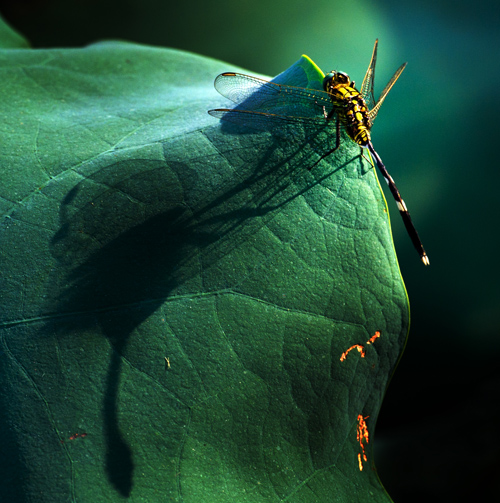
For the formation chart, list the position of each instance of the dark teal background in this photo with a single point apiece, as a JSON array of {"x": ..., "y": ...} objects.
[{"x": 437, "y": 133}]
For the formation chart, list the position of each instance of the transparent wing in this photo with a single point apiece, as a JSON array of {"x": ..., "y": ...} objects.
[
  {"x": 254, "y": 94},
  {"x": 320, "y": 133},
  {"x": 369, "y": 80},
  {"x": 374, "y": 111},
  {"x": 296, "y": 114},
  {"x": 275, "y": 123}
]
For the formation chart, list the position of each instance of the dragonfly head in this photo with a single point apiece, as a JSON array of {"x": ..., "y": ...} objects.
[{"x": 335, "y": 79}]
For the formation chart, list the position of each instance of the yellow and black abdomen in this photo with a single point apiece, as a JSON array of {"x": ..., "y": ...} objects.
[{"x": 357, "y": 123}]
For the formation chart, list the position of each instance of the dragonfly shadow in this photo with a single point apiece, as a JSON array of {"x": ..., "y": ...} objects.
[
  {"x": 118, "y": 261},
  {"x": 289, "y": 163},
  {"x": 298, "y": 145}
]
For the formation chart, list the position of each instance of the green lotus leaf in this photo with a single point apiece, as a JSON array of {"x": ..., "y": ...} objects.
[{"x": 177, "y": 295}]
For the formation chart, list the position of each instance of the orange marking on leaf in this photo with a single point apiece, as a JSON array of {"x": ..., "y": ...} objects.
[
  {"x": 372, "y": 339},
  {"x": 362, "y": 436},
  {"x": 360, "y": 347}
]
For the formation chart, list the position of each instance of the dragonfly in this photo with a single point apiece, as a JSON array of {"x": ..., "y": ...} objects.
[{"x": 262, "y": 104}]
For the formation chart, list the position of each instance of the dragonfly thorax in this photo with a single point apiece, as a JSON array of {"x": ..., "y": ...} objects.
[{"x": 349, "y": 105}]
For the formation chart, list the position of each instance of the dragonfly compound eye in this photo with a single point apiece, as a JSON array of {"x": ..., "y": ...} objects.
[
  {"x": 334, "y": 79},
  {"x": 329, "y": 77},
  {"x": 342, "y": 78}
]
